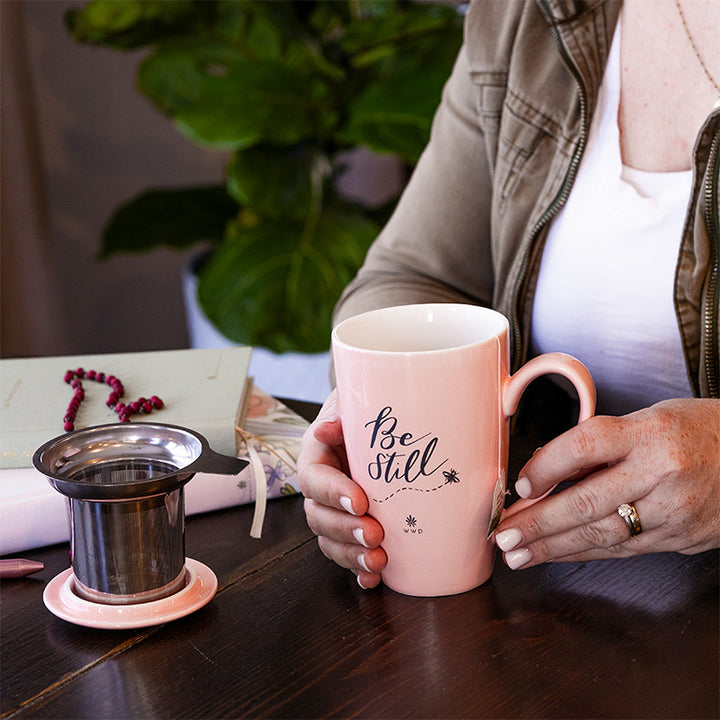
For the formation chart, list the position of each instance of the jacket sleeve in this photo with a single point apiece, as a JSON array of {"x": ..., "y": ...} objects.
[{"x": 436, "y": 245}]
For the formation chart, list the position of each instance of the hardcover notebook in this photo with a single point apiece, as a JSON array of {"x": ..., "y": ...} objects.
[
  {"x": 201, "y": 389},
  {"x": 205, "y": 390}
]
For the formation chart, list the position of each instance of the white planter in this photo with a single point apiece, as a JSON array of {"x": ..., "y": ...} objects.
[{"x": 292, "y": 375}]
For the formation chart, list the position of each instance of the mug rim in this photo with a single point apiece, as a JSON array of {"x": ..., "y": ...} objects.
[{"x": 419, "y": 308}]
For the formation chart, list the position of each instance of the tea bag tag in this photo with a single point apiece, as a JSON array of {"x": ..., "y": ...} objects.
[{"x": 498, "y": 503}]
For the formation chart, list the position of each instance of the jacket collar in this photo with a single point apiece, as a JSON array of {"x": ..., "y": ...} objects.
[{"x": 585, "y": 29}]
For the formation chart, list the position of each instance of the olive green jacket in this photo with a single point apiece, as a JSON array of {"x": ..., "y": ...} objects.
[{"x": 506, "y": 143}]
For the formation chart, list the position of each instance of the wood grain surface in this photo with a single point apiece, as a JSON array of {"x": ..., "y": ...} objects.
[{"x": 291, "y": 635}]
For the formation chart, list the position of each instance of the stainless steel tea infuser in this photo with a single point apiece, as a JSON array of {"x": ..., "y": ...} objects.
[{"x": 125, "y": 488}]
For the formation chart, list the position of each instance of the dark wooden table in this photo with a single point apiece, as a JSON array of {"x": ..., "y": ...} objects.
[{"x": 290, "y": 635}]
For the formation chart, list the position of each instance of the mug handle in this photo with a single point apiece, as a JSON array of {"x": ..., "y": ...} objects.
[{"x": 549, "y": 363}]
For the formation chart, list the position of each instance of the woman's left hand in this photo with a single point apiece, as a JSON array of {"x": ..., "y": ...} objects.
[{"x": 664, "y": 460}]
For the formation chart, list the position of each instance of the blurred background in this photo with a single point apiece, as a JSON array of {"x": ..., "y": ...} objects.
[{"x": 78, "y": 140}]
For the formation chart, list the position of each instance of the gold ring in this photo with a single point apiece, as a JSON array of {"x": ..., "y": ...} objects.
[{"x": 630, "y": 515}]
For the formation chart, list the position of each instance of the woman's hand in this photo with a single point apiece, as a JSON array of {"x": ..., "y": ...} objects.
[
  {"x": 665, "y": 460},
  {"x": 335, "y": 505}
]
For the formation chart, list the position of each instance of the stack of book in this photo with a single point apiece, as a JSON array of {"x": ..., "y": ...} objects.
[{"x": 208, "y": 391}]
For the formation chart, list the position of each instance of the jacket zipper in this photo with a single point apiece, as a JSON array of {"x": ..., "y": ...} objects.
[
  {"x": 560, "y": 198},
  {"x": 712, "y": 310},
  {"x": 711, "y": 319}
]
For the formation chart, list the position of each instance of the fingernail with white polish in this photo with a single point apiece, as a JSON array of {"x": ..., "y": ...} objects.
[
  {"x": 517, "y": 558},
  {"x": 359, "y": 535},
  {"x": 508, "y": 539},
  {"x": 346, "y": 502},
  {"x": 360, "y": 584},
  {"x": 363, "y": 563},
  {"x": 523, "y": 487}
]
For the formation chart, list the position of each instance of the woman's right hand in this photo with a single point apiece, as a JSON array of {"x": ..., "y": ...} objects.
[{"x": 335, "y": 505}]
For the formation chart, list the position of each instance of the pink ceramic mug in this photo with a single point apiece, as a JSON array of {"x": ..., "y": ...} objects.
[{"x": 425, "y": 400}]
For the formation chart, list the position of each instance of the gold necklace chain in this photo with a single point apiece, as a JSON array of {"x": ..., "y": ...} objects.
[{"x": 694, "y": 47}]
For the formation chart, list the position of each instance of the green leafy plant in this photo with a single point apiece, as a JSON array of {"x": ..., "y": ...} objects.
[{"x": 287, "y": 86}]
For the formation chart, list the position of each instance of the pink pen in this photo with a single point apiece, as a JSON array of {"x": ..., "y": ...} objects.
[{"x": 17, "y": 567}]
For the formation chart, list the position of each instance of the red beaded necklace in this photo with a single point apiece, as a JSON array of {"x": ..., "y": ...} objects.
[{"x": 124, "y": 411}]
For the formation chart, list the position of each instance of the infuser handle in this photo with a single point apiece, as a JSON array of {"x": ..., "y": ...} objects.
[{"x": 216, "y": 463}]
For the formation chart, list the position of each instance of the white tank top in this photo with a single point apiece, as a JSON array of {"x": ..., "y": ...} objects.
[{"x": 605, "y": 288}]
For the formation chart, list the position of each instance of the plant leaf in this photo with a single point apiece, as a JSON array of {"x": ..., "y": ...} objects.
[
  {"x": 127, "y": 24},
  {"x": 272, "y": 286},
  {"x": 397, "y": 29},
  {"x": 409, "y": 57},
  {"x": 278, "y": 181},
  {"x": 173, "y": 218},
  {"x": 394, "y": 115},
  {"x": 219, "y": 98}
]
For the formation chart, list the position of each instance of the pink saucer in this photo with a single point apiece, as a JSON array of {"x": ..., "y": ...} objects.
[{"x": 60, "y": 598}]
